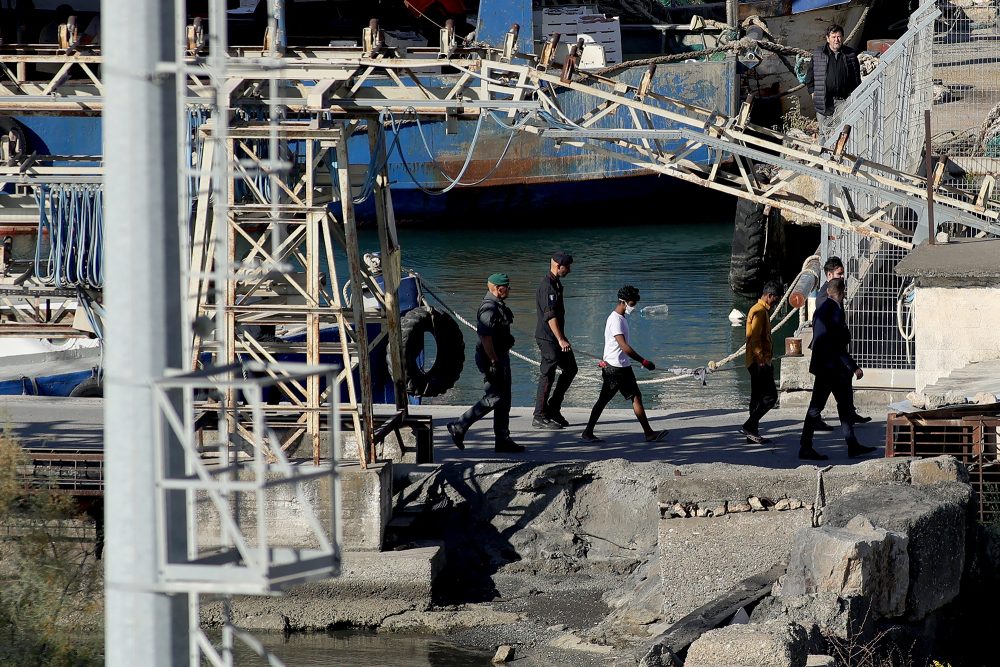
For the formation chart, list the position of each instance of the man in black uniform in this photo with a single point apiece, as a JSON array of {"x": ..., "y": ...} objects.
[
  {"x": 835, "y": 73},
  {"x": 556, "y": 352},
  {"x": 493, "y": 359},
  {"x": 832, "y": 366}
]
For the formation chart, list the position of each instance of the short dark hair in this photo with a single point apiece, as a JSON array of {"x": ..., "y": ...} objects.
[
  {"x": 834, "y": 27},
  {"x": 628, "y": 293},
  {"x": 836, "y": 286},
  {"x": 833, "y": 264},
  {"x": 772, "y": 288}
]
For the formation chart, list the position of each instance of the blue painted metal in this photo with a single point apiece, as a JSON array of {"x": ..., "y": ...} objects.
[
  {"x": 799, "y": 6},
  {"x": 63, "y": 135},
  {"x": 60, "y": 384},
  {"x": 496, "y": 18}
]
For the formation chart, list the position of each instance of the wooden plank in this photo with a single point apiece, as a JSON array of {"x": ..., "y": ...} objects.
[{"x": 682, "y": 634}]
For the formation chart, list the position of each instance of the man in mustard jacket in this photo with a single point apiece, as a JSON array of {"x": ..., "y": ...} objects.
[{"x": 759, "y": 358}]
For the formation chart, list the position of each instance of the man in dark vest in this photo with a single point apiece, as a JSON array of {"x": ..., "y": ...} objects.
[{"x": 835, "y": 74}]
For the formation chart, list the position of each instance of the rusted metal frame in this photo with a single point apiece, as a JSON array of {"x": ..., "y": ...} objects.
[
  {"x": 250, "y": 438},
  {"x": 691, "y": 173},
  {"x": 459, "y": 87},
  {"x": 313, "y": 333},
  {"x": 346, "y": 376},
  {"x": 391, "y": 270},
  {"x": 360, "y": 332},
  {"x": 658, "y": 151},
  {"x": 202, "y": 245},
  {"x": 256, "y": 158},
  {"x": 879, "y": 173},
  {"x": 259, "y": 353},
  {"x": 977, "y": 454},
  {"x": 289, "y": 248},
  {"x": 93, "y": 77},
  {"x": 846, "y": 206},
  {"x": 286, "y": 247},
  {"x": 748, "y": 178},
  {"x": 597, "y": 113},
  {"x": 359, "y": 80},
  {"x": 58, "y": 79},
  {"x": 246, "y": 178},
  {"x": 18, "y": 314},
  {"x": 11, "y": 75}
]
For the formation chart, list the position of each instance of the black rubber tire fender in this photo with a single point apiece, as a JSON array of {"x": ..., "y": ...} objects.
[
  {"x": 92, "y": 387},
  {"x": 450, "y": 359},
  {"x": 746, "y": 268}
]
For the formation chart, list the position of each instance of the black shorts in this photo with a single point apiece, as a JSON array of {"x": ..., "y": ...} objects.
[{"x": 620, "y": 380}]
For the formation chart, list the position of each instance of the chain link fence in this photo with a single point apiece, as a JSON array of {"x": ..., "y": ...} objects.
[{"x": 949, "y": 62}]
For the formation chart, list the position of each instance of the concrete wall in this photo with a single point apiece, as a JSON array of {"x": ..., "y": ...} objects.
[
  {"x": 954, "y": 327},
  {"x": 364, "y": 512}
]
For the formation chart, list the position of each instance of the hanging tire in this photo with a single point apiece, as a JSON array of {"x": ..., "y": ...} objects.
[
  {"x": 92, "y": 387},
  {"x": 749, "y": 268},
  {"x": 450, "y": 359}
]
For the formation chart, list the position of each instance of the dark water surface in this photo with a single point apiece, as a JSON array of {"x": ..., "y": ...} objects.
[{"x": 682, "y": 265}]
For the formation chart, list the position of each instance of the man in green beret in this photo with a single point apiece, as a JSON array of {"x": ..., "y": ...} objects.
[{"x": 493, "y": 359}]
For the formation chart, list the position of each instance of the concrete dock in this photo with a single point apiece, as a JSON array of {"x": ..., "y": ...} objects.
[{"x": 696, "y": 436}]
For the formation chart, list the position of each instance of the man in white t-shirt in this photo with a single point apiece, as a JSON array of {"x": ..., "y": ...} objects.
[{"x": 616, "y": 368}]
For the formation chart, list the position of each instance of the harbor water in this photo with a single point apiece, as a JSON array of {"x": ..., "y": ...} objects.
[{"x": 682, "y": 266}]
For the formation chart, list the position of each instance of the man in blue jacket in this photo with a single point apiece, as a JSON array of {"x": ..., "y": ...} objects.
[{"x": 832, "y": 365}]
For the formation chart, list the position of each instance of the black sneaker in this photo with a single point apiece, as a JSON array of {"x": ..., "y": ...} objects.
[
  {"x": 509, "y": 446},
  {"x": 457, "y": 434},
  {"x": 755, "y": 438},
  {"x": 546, "y": 423},
  {"x": 858, "y": 450},
  {"x": 858, "y": 419},
  {"x": 559, "y": 419},
  {"x": 821, "y": 425},
  {"x": 590, "y": 437},
  {"x": 810, "y": 454}
]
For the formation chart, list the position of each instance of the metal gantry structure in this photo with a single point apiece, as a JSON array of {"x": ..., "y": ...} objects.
[{"x": 268, "y": 238}]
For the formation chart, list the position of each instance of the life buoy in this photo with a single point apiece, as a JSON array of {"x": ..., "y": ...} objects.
[{"x": 450, "y": 359}]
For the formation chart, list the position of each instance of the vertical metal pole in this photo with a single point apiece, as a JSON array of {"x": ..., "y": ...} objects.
[
  {"x": 928, "y": 167},
  {"x": 143, "y": 627},
  {"x": 733, "y": 13},
  {"x": 391, "y": 268}
]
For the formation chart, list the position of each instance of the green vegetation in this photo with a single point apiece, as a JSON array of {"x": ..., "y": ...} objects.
[{"x": 51, "y": 594}]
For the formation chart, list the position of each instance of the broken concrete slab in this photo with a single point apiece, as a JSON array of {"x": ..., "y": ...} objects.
[
  {"x": 938, "y": 469},
  {"x": 933, "y": 518},
  {"x": 856, "y": 560},
  {"x": 823, "y": 615},
  {"x": 770, "y": 644},
  {"x": 713, "y": 555}
]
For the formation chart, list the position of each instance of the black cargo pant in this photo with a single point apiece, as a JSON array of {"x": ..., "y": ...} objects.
[
  {"x": 553, "y": 358},
  {"x": 496, "y": 398},
  {"x": 824, "y": 385},
  {"x": 763, "y": 395}
]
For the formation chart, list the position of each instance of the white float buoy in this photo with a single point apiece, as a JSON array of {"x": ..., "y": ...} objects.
[{"x": 736, "y": 317}]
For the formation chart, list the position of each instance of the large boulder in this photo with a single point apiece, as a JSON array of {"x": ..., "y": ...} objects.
[
  {"x": 856, "y": 560},
  {"x": 932, "y": 518},
  {"x": 771, "y": 644}
]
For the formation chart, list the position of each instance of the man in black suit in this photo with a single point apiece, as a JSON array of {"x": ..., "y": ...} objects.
[
  {"x": 834, "y": 268},
  {"x": 832, "y": 366}
]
